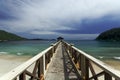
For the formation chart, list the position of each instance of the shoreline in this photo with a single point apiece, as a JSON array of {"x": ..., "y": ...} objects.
[{"x": 9, "y": 62}]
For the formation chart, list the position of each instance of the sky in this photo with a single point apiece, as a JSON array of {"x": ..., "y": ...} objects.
[{"x": 71, "y": 19}]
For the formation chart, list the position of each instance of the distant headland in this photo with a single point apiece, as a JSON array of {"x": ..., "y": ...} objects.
[
  {"x": 110, "y": 35},
  {"x": 7, "y": 36}
]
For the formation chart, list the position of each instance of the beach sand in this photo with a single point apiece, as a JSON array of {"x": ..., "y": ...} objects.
[
  {"x": 113, "y": 63},
  {"x": 9, "y": 62}
]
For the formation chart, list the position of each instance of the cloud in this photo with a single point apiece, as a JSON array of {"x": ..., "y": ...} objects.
[
  {"x": 47, "y": 16},
  {"x": 68, "y": 36},
  {"x": 42, "y": 33},
  {"x": 79, "y": 36}
]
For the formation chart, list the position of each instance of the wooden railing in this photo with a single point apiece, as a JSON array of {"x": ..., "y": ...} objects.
[
  {"x": 86, "y": 65},
  {"x": 33, "y": 69}
]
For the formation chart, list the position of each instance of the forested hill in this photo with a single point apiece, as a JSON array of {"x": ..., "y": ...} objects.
[
  {"x": 110, "y": 35},
  {"x": 6, "y": 36}
]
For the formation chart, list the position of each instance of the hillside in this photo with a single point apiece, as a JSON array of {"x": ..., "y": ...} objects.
[
  {"x": 110, "y": 35},
  {"x": 9, "y": 36}
]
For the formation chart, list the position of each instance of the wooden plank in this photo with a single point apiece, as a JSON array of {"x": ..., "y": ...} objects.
[
  {"x": 46, "y": 60},
  {"x": 22, "y": 76},
  {"x": 87, "y": 69},
  {"x": 35, "y": 70},
  {"x": 39, "y": 73},
  {"x": 105, "y": 67},
  {"x": 44, "y": 64},
  {"x": 30, "y": 74},
  {"x": 56, "y": 67},
  {"x": 84, "y": 68},
  {"x": 74, "y": 65},
  {"x": 17, "y": 71},
  {"x": 41, "y": 69},
  {"x": 92, "y": 71},
  {"x": 15, "y": 79},
  {"x": 97, "y": 75},
  {"x": 102, "y": 65},
  {"x": 85, "y": 58},
  {"x": 108, "y": 76}
]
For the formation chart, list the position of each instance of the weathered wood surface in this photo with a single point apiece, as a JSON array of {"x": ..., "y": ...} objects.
[
  {"x": 67, "y": 63},
  {"x": 61, "y": 67},
  {"x": 85, "y": 62},
  {"x": 56, "y": 69},
  {"x": 34, "y": 68}
]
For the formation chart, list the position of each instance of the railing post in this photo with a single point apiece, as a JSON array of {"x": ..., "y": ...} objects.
[
  {"x": 39, "y": 73},
  {"x": 44, "y": 64},
  {"x": 108, "y": 76},
  {"x": 40, "y": 70},
  {"x": 46, "y": 60},
  {"x": 15, "y": 79},
  {"x": 84, "y": 68},
  {"x": 53, "y": 48},
  {"x": 52, "y": 51},
  {"x": 116, "y": 79},
  {"x": 71, "y": 49},
  {"x": 87, "y": 68},
  {"x": 75, "y": 57},
  {"x": 79, "y": 61},
  {"x": 22, "y": 76}
]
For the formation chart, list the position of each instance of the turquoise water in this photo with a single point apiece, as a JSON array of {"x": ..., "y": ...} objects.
[
  {"x": 23, "y": 47},
  {"x": 100, "y": 50}
]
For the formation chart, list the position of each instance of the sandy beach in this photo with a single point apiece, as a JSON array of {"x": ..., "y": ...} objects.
[
  {"x": 9, "y": 62},
  {"x": 113, "y": 63}
]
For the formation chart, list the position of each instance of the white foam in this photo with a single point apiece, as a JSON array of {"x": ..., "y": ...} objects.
[
  {"x": 19, "y": 54},
  {"x": 3, "y": 52},
  {"x": 100, "y": 57},
  {"x": 117, "y": 58}
]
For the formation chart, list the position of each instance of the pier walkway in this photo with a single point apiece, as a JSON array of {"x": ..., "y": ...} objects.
[
  {"x": 61, "y": 66},
  {"x": 62, "y": 61}
]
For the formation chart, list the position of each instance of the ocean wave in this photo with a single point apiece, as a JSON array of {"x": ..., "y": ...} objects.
[
  {"x": 3, "y": 52},
  {"x": 117, "y": 58},
  {"x": 20, "y": 54},
  {"x": 101, "y": 57}
]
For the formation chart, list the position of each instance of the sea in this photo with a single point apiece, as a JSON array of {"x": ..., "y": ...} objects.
[{"x": 103, "y": 50}]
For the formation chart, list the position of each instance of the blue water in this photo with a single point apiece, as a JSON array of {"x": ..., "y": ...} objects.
[
  {"x": 100, "y": 50},
  {"x": 23, "y": 47}
]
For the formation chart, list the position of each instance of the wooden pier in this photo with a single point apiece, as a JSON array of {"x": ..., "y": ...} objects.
[
  {"x": 62, "y": 61},
  {"x": 61, "y": 67}
]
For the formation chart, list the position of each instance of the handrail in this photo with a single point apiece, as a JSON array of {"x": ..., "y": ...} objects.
[
  {"x": 84, "y": 60},
  {"x": 101, "y": 64},
  {"x": 13, "y": 74}
]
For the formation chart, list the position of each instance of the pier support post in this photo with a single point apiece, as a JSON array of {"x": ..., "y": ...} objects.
[
  {"x": 44, "y": 64},
  {"x": 108, "y": 76},
  {"x": 53, "y": 49},
  {"x": 84, "y": 68},
  {"x": 22, "y": 76},
  {"x": 40, "y": 70}
]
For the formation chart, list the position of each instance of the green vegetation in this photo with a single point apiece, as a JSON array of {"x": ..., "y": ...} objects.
[
  {"x": 110, "y": 35},
  {"x": 6, "y": 36}
]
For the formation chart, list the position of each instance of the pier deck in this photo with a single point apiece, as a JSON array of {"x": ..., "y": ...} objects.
[
  {"x": 62, "y": 61},
  {"x": 61, "y": 67}
]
